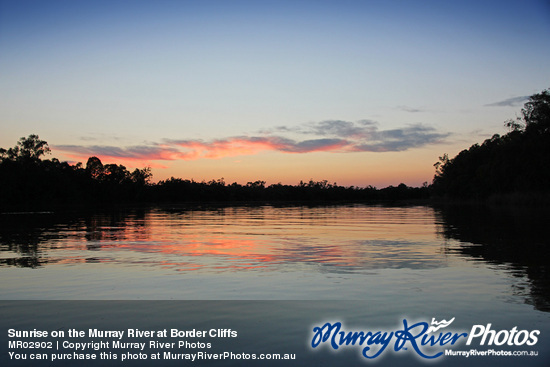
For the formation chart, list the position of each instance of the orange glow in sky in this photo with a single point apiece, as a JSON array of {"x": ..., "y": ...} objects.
[{"x": 362, "y": 93}]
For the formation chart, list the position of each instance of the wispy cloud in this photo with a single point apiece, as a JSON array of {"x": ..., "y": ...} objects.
[
  {"x": 133, "y": 155},
  {"x": 243, "y": 145},
  {"x": 511, "y": 102},
  {"x": 138, "y": 152},
  {"x": 409, "y": 109},
  {"x": 325, "y": 136},
  {"x": 346, "y": 129},
  {"x": 397, "y": 140},
  {"x": 98, "y": 136}
]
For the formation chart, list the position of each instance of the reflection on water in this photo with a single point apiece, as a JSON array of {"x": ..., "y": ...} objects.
[
  {"x": 353, "y": 238},
  {"x": 511, "y": 237},
  {"x": 348, "y": 245}
]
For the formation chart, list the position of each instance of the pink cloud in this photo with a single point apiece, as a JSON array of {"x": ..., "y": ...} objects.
[{"x": 331, "y": 136}]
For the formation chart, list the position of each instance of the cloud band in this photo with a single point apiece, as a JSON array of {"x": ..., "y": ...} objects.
[{"x": 326, "y": 136}]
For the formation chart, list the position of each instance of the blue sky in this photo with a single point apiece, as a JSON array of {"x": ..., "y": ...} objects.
[{"x": 358, "y": 92}]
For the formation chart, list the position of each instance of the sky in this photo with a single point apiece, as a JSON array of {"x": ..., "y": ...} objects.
[{"x": 354, "y": 92}]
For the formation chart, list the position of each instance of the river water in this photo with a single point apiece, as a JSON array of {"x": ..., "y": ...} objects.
[{"x": 477, "y": 264}]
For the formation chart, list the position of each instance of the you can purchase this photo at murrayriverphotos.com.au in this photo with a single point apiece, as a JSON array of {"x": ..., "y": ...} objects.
[{"x": 274, "y": 183}]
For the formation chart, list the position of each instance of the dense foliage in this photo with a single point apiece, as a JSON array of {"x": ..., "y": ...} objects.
[
  {"x": 27, "y": 180},
  {"x": 516, "y": 163}
]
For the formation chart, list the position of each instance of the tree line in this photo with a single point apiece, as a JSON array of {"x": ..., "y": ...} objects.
[
  {"x": 516, "y": 164},
  {"x": 27, "y": 180}
]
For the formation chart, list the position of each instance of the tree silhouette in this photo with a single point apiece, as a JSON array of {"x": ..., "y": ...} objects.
[
  {"x": 536, "y": 113},
  {"x": 516, "y": 163},
  {"x": 141, "y": 176},
  {"x": 94, "y": 168},
  {"x": 30, "y": 148}
]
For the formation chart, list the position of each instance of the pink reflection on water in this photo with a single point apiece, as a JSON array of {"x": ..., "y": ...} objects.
[{"x": 233, "y": 239}]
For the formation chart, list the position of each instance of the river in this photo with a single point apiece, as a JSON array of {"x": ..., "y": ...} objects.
[{"x": 478, "y": 264}]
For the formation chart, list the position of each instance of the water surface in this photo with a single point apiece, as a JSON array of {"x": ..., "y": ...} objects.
[
  {"x": 360, "y": 264},
  {"x": 290, "y": 252}
]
